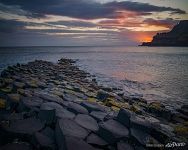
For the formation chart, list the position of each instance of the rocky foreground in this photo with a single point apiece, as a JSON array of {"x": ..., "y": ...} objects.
[{"x": 58, "y": 106}]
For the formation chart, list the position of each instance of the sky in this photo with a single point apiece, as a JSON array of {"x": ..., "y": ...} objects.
[{"x": 86, "y": 22}]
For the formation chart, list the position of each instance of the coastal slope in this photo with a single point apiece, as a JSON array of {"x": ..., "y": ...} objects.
[{"x": 178, "y": 36}]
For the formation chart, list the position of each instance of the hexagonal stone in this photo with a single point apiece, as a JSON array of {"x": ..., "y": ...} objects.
[
  {"x": 67, "y": 127},
  {"x": 124, "y": 117},
  {"x": 142, "y": 137},
  {"x": 77, "y": 109},
  {"x": 140, "y": 123},
  {"x": 28, "y": 103},
  {"x": 87, "y": 122},
  {"x": 70, "y": 97},
  {"x": 98, "y": 115},
  {"x": 12, "y": 116},
  {"x": 92, "y": 106},
  {"x": 61, "y": 112},
  {"x": 16, "y": 146},
  {"x": 111, "y": 131},
  {"x": 50, "y": 97},
  {"x": 96, "y": 140},
  {"x": 47, "y": 116},
  {"x": 43, "y": 142},
  {"x": 26, "y": 126},
  {"x": 72, "y": 143},
  {"x": 102, "y": 95},
  {"x": 124, "y": 146}
]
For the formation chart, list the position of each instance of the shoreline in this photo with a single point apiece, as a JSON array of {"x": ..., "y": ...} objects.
[{"x": 60, "y": 97}]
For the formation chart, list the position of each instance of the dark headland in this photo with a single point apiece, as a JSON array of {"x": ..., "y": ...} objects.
[
  {"x": 60, "y": 107},
  {"x": 178, "y": 36}
]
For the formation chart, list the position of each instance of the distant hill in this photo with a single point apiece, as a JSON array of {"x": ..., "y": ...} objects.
[{"x": 178, "y": 36}]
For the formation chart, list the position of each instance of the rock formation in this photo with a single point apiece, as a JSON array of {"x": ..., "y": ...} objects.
[{"x": 178, "y": 36}]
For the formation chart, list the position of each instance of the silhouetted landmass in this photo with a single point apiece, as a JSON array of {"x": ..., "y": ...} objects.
[{"x": 178, "y": 36}]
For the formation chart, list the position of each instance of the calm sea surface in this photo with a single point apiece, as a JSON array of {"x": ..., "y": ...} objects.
[{"x": 159, "y": 73}]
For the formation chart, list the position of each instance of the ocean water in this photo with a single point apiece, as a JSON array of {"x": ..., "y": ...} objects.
[{"x": 157, "y": 73}]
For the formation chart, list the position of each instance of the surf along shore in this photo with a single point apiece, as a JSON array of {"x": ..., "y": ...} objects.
[{"x": 58, "y": 106}]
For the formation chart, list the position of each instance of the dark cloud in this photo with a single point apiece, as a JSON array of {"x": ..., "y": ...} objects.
[
  {"x": 73, "y": 23},
  {"x": 10, "y": 26},
  {"x": 169, "y": 22},
  {"x": 86, "y": 10}
]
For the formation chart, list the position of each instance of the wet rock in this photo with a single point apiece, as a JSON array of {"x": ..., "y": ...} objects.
[
  {"x": 124, "y": 117},
  {"x": 162, "y": 135},
  {"x": 102, "y": 95},
  {"x": 77, "y": 109},
  {"x": 96, "y": 140},
  {"x": 124, "y": 146},
  {"x": 142, "y": 137},
  {"x": 87, "y": 122},
  {"x": 111, "y": 131},
  {"x": 98, "y": 115},
  {"x": 92, "y": 106},
  {"x": 26, "y": 126},
  {"x": 140, "y": 123},
  {"x": 16, "y": 146},
  {"x": 67, "y": 127},
  {"x": 47, "y": 116},
  {"x": 179, "y": 117}
]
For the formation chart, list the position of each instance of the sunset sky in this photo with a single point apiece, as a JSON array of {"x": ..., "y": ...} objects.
[{"x": 86, "y": 22}]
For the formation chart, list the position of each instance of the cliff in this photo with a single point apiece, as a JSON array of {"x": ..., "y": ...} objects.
[{"x": 178, "y": 36}]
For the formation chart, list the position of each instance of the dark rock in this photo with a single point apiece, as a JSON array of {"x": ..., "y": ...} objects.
[
  {"x": 111, "y": 131},
  {"x": 124, "y": 117},
  {"x": 72, "y": 143},
  {"x": 102, "y": 95},
  {"x": 27, "y": 103},
  {"x": 124, "y": 146},
  {"x": 16, "y": 146},
  {"x": 96, "y": 140},
  {"x": 12, "y": 116},
  {"x": 15, "y": 98},
  {"x": 98, "y": 115},
  {"x": 70, "y": 97},
  {"x": 140, "y": 123},
  {"x": 142, "y": 137},
  {"x": 47, "y": 116},
  {"x": 87, "y": 122},
  {"x": 18, "y": 85},
  {"x": 92, "y": 106},
  {"x": 42, "y": 141},
  {"x": 77, "y": 109},
  {"x": 61, "y": 112},
  {"x": 50, "y": 97},
  {"x": 67, "y": 127},
  {"x": 162, "y": 135},
  {"x": 26, "y": 126}
]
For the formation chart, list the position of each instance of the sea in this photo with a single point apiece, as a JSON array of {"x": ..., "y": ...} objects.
[{"x": 154, "y": 73}]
